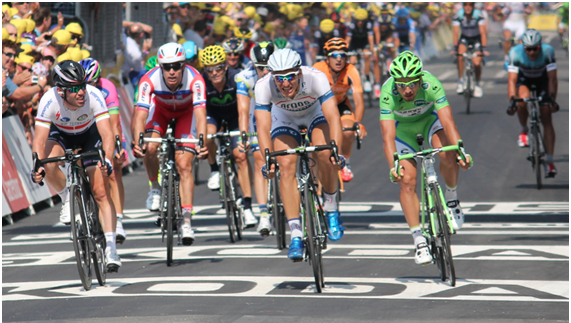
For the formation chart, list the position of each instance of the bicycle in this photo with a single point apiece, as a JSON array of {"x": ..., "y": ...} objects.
[
  {"x": 358, "y": 140},
  {"x": 434, "y": 205},
  {"x": 469, "y": 72},
  {"x": 384, "y": 67},
  {"x": 229, "y": 194},
  {"x": 276, "y": 208},
  {"x": 313, "y": 217},
  {"x": 366, "y": 76},
  {"x": 535, "y": 139},
  {"x": 170, "y": 211},
  {"x": 87, "y": 234}
]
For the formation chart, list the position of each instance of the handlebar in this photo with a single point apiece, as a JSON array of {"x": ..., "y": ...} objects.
[
  {"x": 430, "y": 152},
  {"x": 69, "y": 157},
  {"x": 141, "y": 141},
  {"x": 357, "y": 130},
  {"x": 117, "y": 144},
  {"x": 301, "y": 150},
  {"x": 178, "y": 141}
]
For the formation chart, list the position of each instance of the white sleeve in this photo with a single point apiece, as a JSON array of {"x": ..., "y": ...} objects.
[
  {"x": 97, "y": 104},
  {"x": 321, "y": 86},
  {"x": 263, "y": 94},
  {"x": 45, "y": 115}
]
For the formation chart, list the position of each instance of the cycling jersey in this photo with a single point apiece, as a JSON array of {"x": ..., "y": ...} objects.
[
  {"x": 52, "y": 110},
  {"x": 514, "y": 21},
  {"x": 563, "y": 12},
  {"x": 360, "y": 35},
  {"x": 190, "y": 93},
  {"x": 521, "y": 64},
  {"x": 321, "y": 39},
  {"x": 404, "y": 30},
  {"x": 470, "y": 28},
  {"x": 109, "y": 92},
  {"x": 387, "y": 27},
  {"x": 246, "y": 81},
  {"x": 348, "y": 79},
  {"x": 243, "y": 63}
]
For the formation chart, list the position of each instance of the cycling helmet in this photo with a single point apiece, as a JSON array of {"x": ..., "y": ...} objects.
[
  {"x": 260, "y": 54},
  {"x": 336, "y": 44},
  {"x": 151, "y": 63},
  {"x": 244, "y": 33},
  {"x": 326, "y": 26},
  {"x": 406, "y": 65},
  {"x": 361, "y": 14},
  {"x": 335, "y": 16},
  {"x": 213, "y": 55},
  {"x": 68, "y": 73},
  {"x": 284, "y": 59},
  {"x": 282, "y": 43},
  {"x": 385, "y": 18},
  {"x": 171, "y": 53},
  {"x": 92, "y": 69},
  {"x": 403, "y": 13},
  {"x": 531, "y": 38},
  {"x": 190, "y": 50},
  {"x": 233, "y": 45}
]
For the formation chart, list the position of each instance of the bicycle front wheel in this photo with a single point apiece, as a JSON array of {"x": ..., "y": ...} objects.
[
  {"x": 444, "y": 234},
  {"x": 227, "y": 200},
  {"x": 238, "y": 210},
  {"x": 536, "y": 151},
  {"x": 195, "y": 163},
  {"x": 278, "y": 213},
  {"x": 313, "y": 239},
  {"x": 80, "y": 236},
  {"x": 98, "y": 245},
  {"x": 468, "y": 92},
  {"x": 170, "y": 216}
]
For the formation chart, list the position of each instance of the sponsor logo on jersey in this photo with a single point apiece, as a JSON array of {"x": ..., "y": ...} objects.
[
  {"x": 296, "y": 106},
  {"x": 82, "y": 117},
  {"x": 395, "y": 91},
  {"x": 46, "y": 107},
  {"x": 435, "y": 88},
  {"x": 420, "y": 102},
  {"x": 224, "y": 100},
  {"x": 58, "y": 115},
  {"x": 179, "y": 96},
  {"x": 441, "y": 100},
  {"x": 64, "y": 119},
  {"x": 404, "y": 151},
  {"x": 384, "y": 111},
  {"x": 425, "y": 85}
]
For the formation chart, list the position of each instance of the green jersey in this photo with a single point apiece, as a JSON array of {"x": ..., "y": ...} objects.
[
  {"x": 564, "y": 13},
  {"x": 430, "y": 97}
]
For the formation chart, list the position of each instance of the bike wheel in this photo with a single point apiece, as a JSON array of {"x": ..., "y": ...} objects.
[
  {"x": 80, "y": 237},
  {"x": 195, "y": 163},
  {"x": 436, "y": 250},
  {"x": 537, "y": 154},
  {"x": 238, "y": 210},
  {"x": 468, "y": 93},
  {"x": 313, "y": 242},
  {"x": 278, "y": 214},
  {"x": 444, "y": 234},
  {"x": 170, "y": 216},
  {"x": 98, "y": 242},
  {"x": 226, "y": 200}
]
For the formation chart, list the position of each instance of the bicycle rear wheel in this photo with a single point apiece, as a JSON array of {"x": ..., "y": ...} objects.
[
  {"x": 278, "y": 213},
  {"x": 80, "y": 237},
  {"x": 313, "y": 242},
  {"x": 238, "y": 210},
  {"x": 226, "y": 200},
  {"x": 98, "y": 245},
  {"x": 536, "y": 151},
  {"x": 435, "y": 249},
  {"x": 170, "y": 215},
  {"x": 444, "y": 234}
]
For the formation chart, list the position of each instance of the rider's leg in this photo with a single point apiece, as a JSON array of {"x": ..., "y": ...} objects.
[
  {"x": 151, "y": 161},
  {"x": 327, "y": 172},
  {"x": 107, "y": 216},
  {"x": 367, "y": 64},
  {"x": 461, "y": 50},
  {"x": 408, "y": 198},
  {"x": 183, "y": 159},
  {"x": 549, "y": 132},
  {"x": 376, "y": 69},
  {"x": 244, "y": 176},
  {"x": 448, "y": 166},
  {"x": 211, "y": 145},
  {"x": 54, "y": 176},
  {"x": 260, "y": 183},
  {"x": 347, "y": 121},
  {"x": 507, "y": 42},
  {"x": 288, "y": 183},
  {"x": 477, "y": 60},
  {"x": 522, "y": 113},
  {"x": 117, "y": 193}
]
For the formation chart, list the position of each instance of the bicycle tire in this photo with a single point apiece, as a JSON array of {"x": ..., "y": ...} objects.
[
  {"x": 436, "y": 251},
  {"x": 444, "y": 234},
  {"x": 537, "y": 154},
  {"x": 468, "y": 92},
  {"x": 228, "y": 206},
  {"x": 80, "y": 239},
  {"x": 238, "y": 210},
  {"x": 195, "y": 163},
  {"x": 313, "y": 245},
  {"x": 170, "y": 215},
  {"x": 278, "y": 214},
  {"x": 98, "y": 242}
]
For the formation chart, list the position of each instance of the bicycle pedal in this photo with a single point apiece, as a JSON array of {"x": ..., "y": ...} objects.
[
  {"x": 111, "y": 268},
  {"x": 120, "y": 239},
  {"x": 297, "y": 259},
  {"x": 265, "y": 233},
  {"x": 187, "y": 241}
]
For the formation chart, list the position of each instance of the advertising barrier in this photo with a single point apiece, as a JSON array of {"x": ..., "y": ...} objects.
[{"x": 12, "y": 188}]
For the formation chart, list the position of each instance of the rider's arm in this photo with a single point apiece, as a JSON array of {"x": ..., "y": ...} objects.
[
  {"x": 144, "y": 102},
  {"x": 551, "y": 71},
  {"x": 40, "y": 138},
  {"x": 243, "y": 98},
  {"x": 198, "y": 88},
  {"x": 263, "y": 112},
  {"x": 377, "y": 30},
  {"x": 389, "y": 132},
  {"x": 447, "y": 121},
  {"x": 483, "y": 32},
  {"x": 106, "y": 133},
  {"x": 357, "y": 88},
  {"x": 329, "y": 108},
  {"x": 412, "y": 33},
  {"x": 43, "y": 123},
  {"x": 513, "y": 72},
  {"x": 349, "y": 34},
  {"x": 455, "y": 33}
]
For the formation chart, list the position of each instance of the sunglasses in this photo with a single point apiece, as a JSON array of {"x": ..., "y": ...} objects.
[
  {"x": 77, "y": 88},
  {"x": 25, "y": 68},
  {"x": 531, "y": 49},
  {"x": 10, "y": 55},
  {"x": 234, "y": 54},
  {"x": 338, "y": 55},
  {"x": 173, "y": 66},
  {"x": 76, "y": 36},
  {"x": 287, "y": 77},
  {"x": 185, "y": 6},
  {"x": 261, "y": 67},
  {"x": 411, "y": 85},
  {"x": 21, "y": 3},
  {"x": 214, "y": 68}
]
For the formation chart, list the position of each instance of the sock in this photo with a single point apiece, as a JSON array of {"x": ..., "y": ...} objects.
[
  {"x": 330, "y": 203},
  {"x": 347, "y": 161},
  {"x": 155, "y": 183},
  {"x": 64, "y": 195},
  {"x": 110, "y": 240},
  {"x": 549, "y": 159},
  {"x": 247, "y": 202},
  {"x": 417, "y": 235},
  {"x": 119, "y": 220},
  {"x": 461, "y": 80},
  {"x": 524, "y": 129},
  {"x": 263, "y": 208},
  {"x": 119, "y": 215},
  {"x": 295, "y": 228},
  {"x": 450, "y": 194},
  {"x": 186, "y": 213},
  {"x": 506, "y": 57},
  {"x": 214, "y": 167}
]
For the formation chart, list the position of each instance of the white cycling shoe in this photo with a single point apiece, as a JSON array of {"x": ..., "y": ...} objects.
[
  {"x": 214, "y": 181},
  {"x": 121, "y": 235},
  {"x": 265, "y": 226},
  {"x": 187, "y": 235},
  {"x": 460, "y": 87},
  {"x": 112, "y": 259},
  {"x": 65, "y": 213},
  {"x": 249, "y": 219},
  {"x": 457, "y": 214},
  {"x": 478, "y": 92},
  {"x": 422, "y": 254},
  {"x": 154, "y": 200}
]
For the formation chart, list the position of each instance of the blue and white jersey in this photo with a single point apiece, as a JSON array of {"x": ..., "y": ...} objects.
[
  {"x": 313, "y": 91},
  {"x": 246, "y": 81},
  {"x": 405, "y": 29},
  {"x": 469, "y": 28},
  {"x": 519, "y": 62},
  {"x": 514, "y": 11}
]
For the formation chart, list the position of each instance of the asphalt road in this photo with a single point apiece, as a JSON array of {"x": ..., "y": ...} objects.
[{"x": 511, "y": 257}]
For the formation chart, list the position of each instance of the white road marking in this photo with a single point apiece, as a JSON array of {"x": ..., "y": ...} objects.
[
  {"x": 501, "y": 74},
  {"x": 494, "y": 290},
  {"x": 447, "y": 74},
  {"x": 253, "y": 252},
  {"x": 378, "y": 252},
  {"x": 341, "y": 289},
  {"x": 186, "y": 287},
  {"x": 511, "y": 253},
  {"x": 269, "y": 286}
]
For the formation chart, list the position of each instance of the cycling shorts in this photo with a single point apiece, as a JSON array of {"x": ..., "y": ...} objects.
[
  {"x": 541, "y": 85},
  {"x": 345, "y": 110},
  {"x": 517, "y": 28},
  {"x": 215, "y": 119},
  {"x": 359, "y": 44},
  {"x": 474, "y": 41},
  {"x": 286, "y": 124},
  {"x": 158, "y": 122},
  {"x": 87, "y": 141},
  {"x": 407, "y": 131}
]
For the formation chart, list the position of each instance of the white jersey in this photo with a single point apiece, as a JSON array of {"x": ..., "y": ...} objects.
[
  {"x": 72, "y": 122},
  {"x": 514, "y": 11},
  {"x": 314, "y": 90}
]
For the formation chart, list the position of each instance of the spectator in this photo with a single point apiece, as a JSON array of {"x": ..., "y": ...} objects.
[
  {"x": 43, "y": 20},
  {"x": 198, "y": 34},
  {"x": 12, "y": 31},
  {"x": 24, "y": 10},
  {"x": 134, "y": 54},
  {"x": 76, "y": 33}
]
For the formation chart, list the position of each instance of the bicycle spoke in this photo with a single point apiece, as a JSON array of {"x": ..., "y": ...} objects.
[{"x": 80, "y": 239}]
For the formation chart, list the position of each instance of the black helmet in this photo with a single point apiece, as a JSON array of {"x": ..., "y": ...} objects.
[
  {"x": 69, "y": 73},
  {"x": 260, "y": 54}
]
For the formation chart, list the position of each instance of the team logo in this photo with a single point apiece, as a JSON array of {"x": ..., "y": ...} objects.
[
  {"x": 295, "y": 105},
  {"x": 82, "y": 117},
  {"x": 179, "y": 96},
  {"x": 384, "y": 111},
  {"x": 386, "y": 99},
  {"x": 425, "y": 86},
  {"x": 441, "y": 100},
  {"x": 404, "y": 151},
  {"x": 435, "y": 88},
  {"x": 395, "y": 91},
  {"x": 224, "y": 100},
  {"x": 420, "y": 102},
  {"x": 58, "y": 115},
  {"x": 64, "y": 119}
]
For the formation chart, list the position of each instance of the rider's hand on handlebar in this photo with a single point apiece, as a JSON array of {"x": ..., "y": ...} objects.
[
  {"x": 202, "y": 152},
  {"x": 241, "y": 147},
  {"x": 37, "y": 177},
  {"x": 362, "y": 131},
  {"x": 107, "y": 168},
  {"x": 396, "y": 178},
  {"x": 465, "y": 165},
  {"x": 268, "y": 174},
  {"x": 120, "y": 156},
  {"x": 137, "y": 150},
  {"x": 341, "y": 163}
]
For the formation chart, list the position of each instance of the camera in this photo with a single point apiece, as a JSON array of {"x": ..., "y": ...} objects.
[{"x": 34, "y": 79}]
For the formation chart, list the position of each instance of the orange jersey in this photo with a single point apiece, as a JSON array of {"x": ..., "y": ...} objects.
[{"x": 349, "y": 78}]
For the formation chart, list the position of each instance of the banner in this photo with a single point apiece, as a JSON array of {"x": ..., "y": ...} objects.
[
  {"x": 5, "y": 206},
  {"x": 12, "y": 188}
]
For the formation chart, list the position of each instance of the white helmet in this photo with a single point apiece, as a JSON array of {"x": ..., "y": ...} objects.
[
  {"x": 531, "y": 38},
  {"x": 171, "y": 53},
  {"x": 284, "y": 59}
]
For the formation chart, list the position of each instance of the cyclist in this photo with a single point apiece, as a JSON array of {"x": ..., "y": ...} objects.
[
  {"x": 469, "y": 28},
  {"x": 514, "y": 25},
  {"x": 326, "y": 32},
  {"x": 191, "y": 53},
  {"x": 533, "y": 63},
  {"x": 172, "y": 90},
  {"x": 234, "y": 48},
  {"x": 245, "y": 95},
  {"x": 281, "y": 43},
  {"x": 563, "y": 25},
  {"x": 109, "y": 91},
  {"x": 405, "y": 28},
  {"x": 222, "y": 104},
  {"x": 413, "y": 101},
  {"x": 343, "y": 77},
  {"x": 360, "y": 35},
  {"x": 69, "y": 115},
  {"x": 388, "y": 35},
  {"x": 300, "y": 96}
]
